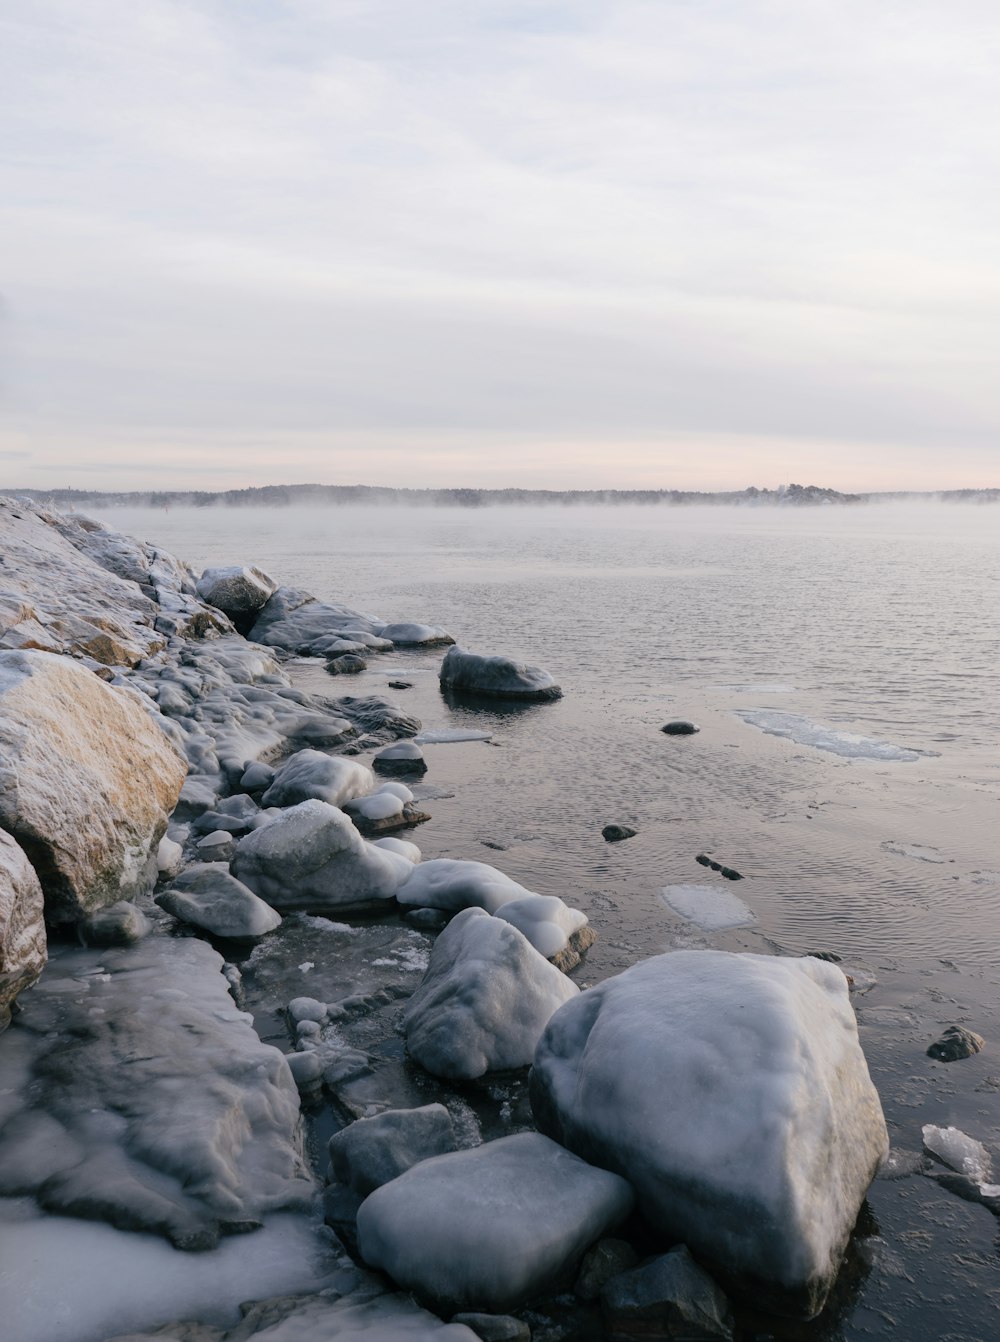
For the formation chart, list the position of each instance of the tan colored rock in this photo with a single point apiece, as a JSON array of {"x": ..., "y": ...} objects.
[
  {"x": 87, "y": 781},
  {"x": 22, "y": 925}
]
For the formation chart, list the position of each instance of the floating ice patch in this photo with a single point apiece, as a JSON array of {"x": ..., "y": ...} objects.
[
  {"x": 805, "y": 732},
  {"x": 961, "y": 1152},
  {"x": 764, "y": 687},
  {"x": 915, "y": 850},
  {"x": 708, "y": 908},
  {"x": 437, "y": 736}
]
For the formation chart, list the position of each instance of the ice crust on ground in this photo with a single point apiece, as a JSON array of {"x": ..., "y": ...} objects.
[
  {"x": 484, "y": 1001},
  {"x": 453, "y": 883},
  {"x": 546, "y": 921},
  {"x": 489, "y": 1228},
  {"x": 309, "y": 774},
  {"x": 731, "y": 1090},
  {"x": 711, "y": 909},
  {"x": 794, "y": 727}
]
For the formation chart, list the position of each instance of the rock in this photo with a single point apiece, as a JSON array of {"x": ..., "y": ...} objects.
[
  {"x": 415, "y": 635},
  {"x": 616, "y": 833},
  {"x": 210, "y": 898},
  {"x": 671, "y": 1297},
  {"x": 22, "y": 925},
  {"x": 295, "y": 621},
  {"x": 495, "y": 1327},
  {"x": 484, "y": 1001},
  {"x": 545, "y": 920},
  {"x": 348, "y": 664},
  {"x": 367, "y": 1313},
  {"x": 307, "y": 1009},
  {"x": 452, "y": 884},
  {"x": 732, "y": 1092},
  {"x": 237, "y": 591},
  {"x": 576, "y": 948},
  {"x": 381, "y": 719},
  {"x": 427, "y": 920},
  {"x": 306, "y": 1070},
  {"x": 488, "y": 1229},
  {"x": 87, "y": 782},
  {"x": 169, "y": 856},
  {"x": 311, "y": 774},
  {"x": 401, "y": 758},
  {"x": 401, "y": 846},
  {"x": 197, "y": 795},
  {"x": 605, "y": 1260},
  {"x": 217, "y": 846},
  {"x": 257, "y": 777},
  {"x": 495, "y": 677},
  {"x": 120, "y": 924},
  {"x": 680, "y": 728},
  {"x": 387, "y": 809},
  {"x": 956, "y": 1043},
  {"x": 312, "y": 857},
  {"x": 369, "y": 1153},
  {"x": 400, "y": 684},
  {"x": 730, "y": 873}
]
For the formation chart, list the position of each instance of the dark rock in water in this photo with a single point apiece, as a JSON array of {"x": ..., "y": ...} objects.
[
  {"x": 615, "y": 833},
  {"x": 120, "y": 924},
  {"x": 956, "y": 1043},
  {"x": 375, "y": 715},
  {"x": 680, "y": 728},
  {"x": 608, "y": 1258},
  {"x": 671, "y": 1297},
  {"x": 369, "y": 1153},
  {"x": 496, "y": 677},
  {"x": 347, "y": 665},
  {"x": 704, "y": 860},
  {"x": 716, "y": 866},
  {"x": 400, "y": 684},
  {"x": 401, "y": 758},
  {"x": 831, "y": 957},
  {"x": 730, "y": 873},
  {"x": 495, "y": 1327}
]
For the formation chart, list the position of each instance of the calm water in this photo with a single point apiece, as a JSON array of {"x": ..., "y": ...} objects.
[{"x": 876, "y": 623}]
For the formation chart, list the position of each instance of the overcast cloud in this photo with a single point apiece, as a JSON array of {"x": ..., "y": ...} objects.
[{"x": 470, "y": 242}]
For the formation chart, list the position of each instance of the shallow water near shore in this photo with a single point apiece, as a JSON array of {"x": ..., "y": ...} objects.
[{"x": 844, "y": 668}]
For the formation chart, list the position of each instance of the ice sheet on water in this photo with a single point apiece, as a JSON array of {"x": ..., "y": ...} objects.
[
  {"x": 708, "y": 908},
  {"x": 437, "y": 736},
  {"x": 959, "y": 1151},
  {"x": 805, "y": 732},
  {"x": 761, "y": 687}
]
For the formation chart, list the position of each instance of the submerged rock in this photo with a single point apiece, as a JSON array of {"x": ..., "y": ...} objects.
[
  {"x": 616, "y": 833},
  {"x": 670, "y": 1297},
  {"x": 369, "y": 1153},
  {"x": 956, "y": 1043},
  {"x": 87, "y": 782},
  {"x": 22, "y": 925},
  {"x": 496, "y": 677},
  {"x": 347, "y": 664},
  {"x": 209, "y": 898},
  {"x": 732, "y": 1092},
  {"x": 490, "y": 1228}
]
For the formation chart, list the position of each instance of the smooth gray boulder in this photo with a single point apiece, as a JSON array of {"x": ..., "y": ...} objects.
[
  {"x": 670, "y": 1297},
  {"x": 311, "y": 774},
  {"x": 484, "y": 1001},
  {"x": 488, "y": 1229},
  {"x": 120, "y": 924},
  {"x": 22, "y": 925},
  {"x": 208, "y": 897},
  {"x": 732, "y": 1092},
  {"x": 408, "y": 635},
  {"x": 237, "y": 590},
  {"x": 87, "y": 782},
  {"x": 495, "y": 677},
  {"x": 372, "y": 1151},
  {"x": 312, "y": 857}
]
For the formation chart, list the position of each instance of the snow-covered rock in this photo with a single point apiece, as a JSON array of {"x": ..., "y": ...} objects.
[
  {"x": 453, "y": 884},
  {"x": 208, "y": 897},
  {"x": 402, "y": 846},
  {"x": 404, "y": 757},
  {"x": 237, "y": 590},
  {"x": 415, "y": 635},
  {"x": 732, "y": 1092},
  {"x": 492, "y": 1227},
  {"x": 22, "y": 925},
  {"x": 495, "y": 677},
  {"x": 545, "y": 920},
  {"x": 295, "y": 621},
  {"x": 367, "y": 1154},
  {"x": 87, "y": 782},
  {"x": 484, "y": 1001},
  {"x": 311, "y": 774},
  {"x": 312, "y": 857}
]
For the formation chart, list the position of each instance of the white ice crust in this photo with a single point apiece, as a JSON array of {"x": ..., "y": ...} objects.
[
  {"x": 794, "y": 727},
  {"x": 310, "y": 774},
  {"x": 452, "y": 883},
  {"x": 711, "y": 909},
  {"x": 546, "y": 921}
]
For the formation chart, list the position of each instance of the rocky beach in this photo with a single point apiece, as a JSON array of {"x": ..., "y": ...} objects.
[{"x": 453, "y": 1134}]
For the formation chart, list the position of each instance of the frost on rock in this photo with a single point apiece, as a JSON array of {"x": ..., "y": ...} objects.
[
  {"x": 311, "y": 774},
  {"x": 732, "y": 1092},
  {"x": 546, "y": 921},
  {"x": 236, "y": 590},
  {"x": 312, "y": 857},
  {"x": 490, "y": 1228},
  {"x": 495, "y": 677},
  {"x": 404, "y": 757},
  {"x": 208, "y": 897},
  {"x": 22, "y": 925},
  {"x": 150, "y": 1101},
  {"x": 484, "y": 1001},
  {"x": 453, "y": 884},
  {"x": 295, "y": 621},
  {"x": 415, "y": 635}
]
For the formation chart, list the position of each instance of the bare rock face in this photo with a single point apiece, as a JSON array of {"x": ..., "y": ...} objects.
[
  {"x": 236, "y": 590},
  {"x": 22, "y": 925},
  {"x": 87, "y": 781}
]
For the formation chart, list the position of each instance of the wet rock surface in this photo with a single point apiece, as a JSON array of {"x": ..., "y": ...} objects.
[{"x": 955, "y": 1044}]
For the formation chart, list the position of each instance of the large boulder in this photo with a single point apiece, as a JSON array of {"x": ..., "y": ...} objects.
[
  {"x": 484, "y": 1001},
  {"x": 87, "y": 783},
  {"x": 732, "y": 1092},
  {"x": 495, "y": 677},
  {"x": 312, "y": 857},
  {"x": 490, "y": 1228},
  {"x": 311, "y": 774},
  {"x": 238, "y": 590},
  {"x": 22, "y": 925},
  {"x": 294, "y": 620}
]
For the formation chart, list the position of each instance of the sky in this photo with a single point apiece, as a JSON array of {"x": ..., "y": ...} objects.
[{"x": 693, "y": 244}]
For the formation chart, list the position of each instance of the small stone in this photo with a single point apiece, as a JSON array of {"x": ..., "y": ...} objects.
[
  {"x": 495, "y": 1327},
  {"x": 831, "y": 957},
  {"x": 427, "y": 920},
  {"x": 608, "y": 1258},
  {"x": 400, "y": 684},
  {"x": 219, "y": 846},
  {"x": 347, "y": 665},
  {"x": 306, "y": 1069},
  {"x": 575, "y": 949},
  {"x": 615, "y": 833},
  {"x": 956, "y": 1043},
  {"x": 704, "y": 860},
  {"x": 670, "y": 1297},
  {"x": 730, "y": 873},
  {"x": 403, "y": 757},
  {"x": 307, "y": 1008},
  {"x": 680, "y": 728}
]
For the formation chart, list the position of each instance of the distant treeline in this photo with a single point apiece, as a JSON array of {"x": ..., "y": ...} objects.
[{"x": 283, "y": 496}]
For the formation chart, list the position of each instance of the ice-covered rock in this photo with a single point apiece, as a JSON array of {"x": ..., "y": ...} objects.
[
  {"x": 312, "y": 857},
  {"x": 152, "y": 1103},
  {"x": 389, "y": 807},
  {"x": 453, "y": 884},
  {"x": 237, "y": 590},
  {"x": 22, "y": 925},
  {"x": 347, "y": 664},
  {"x": 732, "y": 1092},
  {"x": 401, "y": 846},
  {"x": 495, "y": 677},
  {"x": 169, "y": 856},
  {"x": 367, "y": 1154},
  {"x": 87, "y": 782},
  {"x": 311, "y": 774},
  {"x": 121, "y": 924},
  {"x": 295, "y": 621},
  {"x": 490, "y": 1228},
  {"x": 484, "y": 1001},
  {"x": 404, "y": 757},
  {"x": 415, "y": 635},
  {"x": 208, "y": 897},
  {"x": 545, "y": 920}
]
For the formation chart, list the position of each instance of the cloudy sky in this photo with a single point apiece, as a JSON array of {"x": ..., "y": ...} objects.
[{"x": 580, "y": 243}]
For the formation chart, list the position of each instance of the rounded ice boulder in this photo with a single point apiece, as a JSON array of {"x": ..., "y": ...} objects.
[
  {"x": 732, "y": 1092},
  {"x": 312, "y": 774},
  {"x": 452, "y": 883},
  {"x": 495, "y": 677}
]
